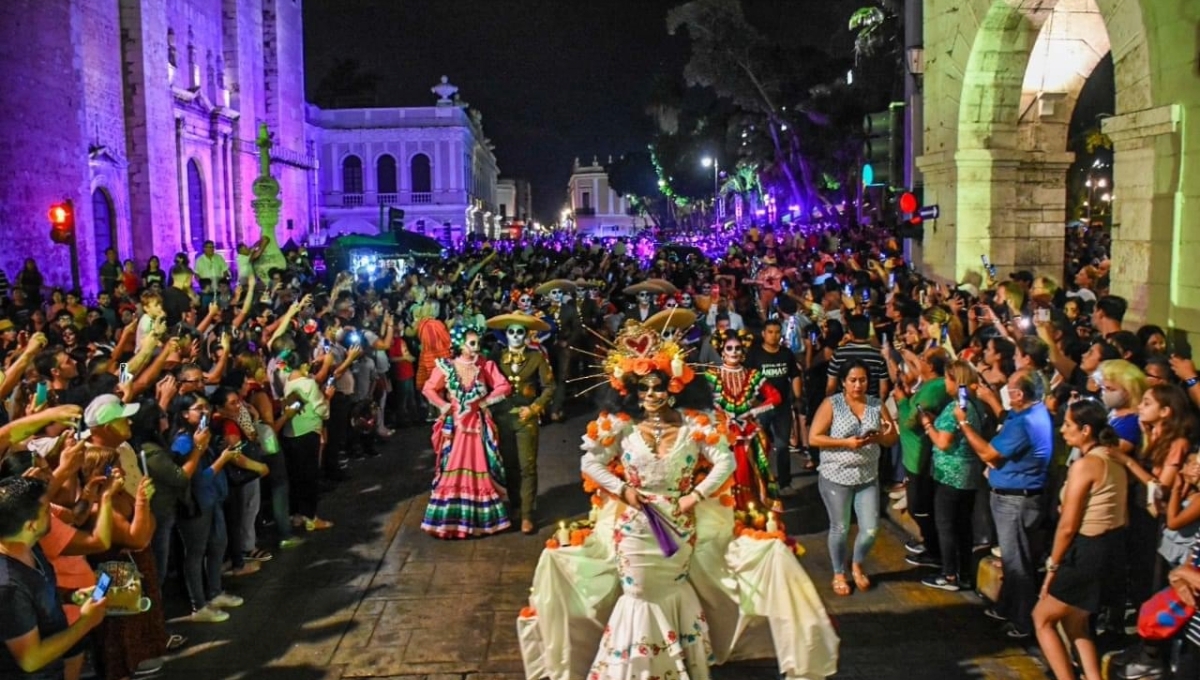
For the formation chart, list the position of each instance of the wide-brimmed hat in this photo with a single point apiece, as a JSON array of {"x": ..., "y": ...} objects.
[
  {"x": 503, "y": 321},
  {"x": 664, "y": 286},
  {"x": 675, "y": 319},
  {"x": 645, "y": 287},
  {"x": 561, "y": 284}
]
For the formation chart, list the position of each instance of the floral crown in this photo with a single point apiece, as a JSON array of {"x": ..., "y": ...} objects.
[
  {"x": 719, "y": 338},
  {"x": 639, "y": 351},
  {"x": 516, "y": 294},
  {"x": 458, "y": 334}
]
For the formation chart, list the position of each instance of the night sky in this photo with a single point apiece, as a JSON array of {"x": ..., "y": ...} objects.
[{"x": 554, "y": 79}]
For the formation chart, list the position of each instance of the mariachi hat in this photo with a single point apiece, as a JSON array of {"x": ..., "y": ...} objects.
[
  {"x": 503, "y": 321},
  {"x": 664, "y": 286},
  {"x": 675, "y": 319},
  {"x": 561, "y": 284},
  {"x": 648, "y": 286}
]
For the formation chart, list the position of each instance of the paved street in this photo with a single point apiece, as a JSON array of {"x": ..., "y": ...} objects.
[{"x": 377, "y": 598}]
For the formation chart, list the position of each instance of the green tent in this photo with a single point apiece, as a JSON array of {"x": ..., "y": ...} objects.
[{"x": 342, "y": 249}]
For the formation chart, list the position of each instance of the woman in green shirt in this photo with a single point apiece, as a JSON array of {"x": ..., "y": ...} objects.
[{"x": 957, "y": 473}]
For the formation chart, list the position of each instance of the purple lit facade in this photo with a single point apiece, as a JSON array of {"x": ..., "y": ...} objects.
[{"x": 144, "y": 112}]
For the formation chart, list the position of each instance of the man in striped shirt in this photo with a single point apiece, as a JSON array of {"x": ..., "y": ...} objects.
[{"x": 858, "y": 346}]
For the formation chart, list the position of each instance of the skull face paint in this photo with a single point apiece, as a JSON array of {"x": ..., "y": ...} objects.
[
  {"x": 652, "y": 393},
  {"x": 671, "y": 303},
  {"x": 733, "y": 352},
  {"x": 685, "y": 301},
  {"x": 556, "y": 296},
  {"x": 470, "y": 346},
  {"x": 525, "y": 302},
  {"x": 516, "y": 337},
  {"x": 643, "y": 298}
]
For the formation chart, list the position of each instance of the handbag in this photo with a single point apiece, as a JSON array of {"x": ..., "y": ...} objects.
[
  {"x": 1162, "y": 616},
  {"x": 125, "y": 593},
  {"x": 267, "y": 438},
  {"x": 240, "y": 476}
]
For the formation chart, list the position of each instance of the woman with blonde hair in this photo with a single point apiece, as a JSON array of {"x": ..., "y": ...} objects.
[
  {"x": 942, "y": 327},
  {"x": 1121, "y": 387}
]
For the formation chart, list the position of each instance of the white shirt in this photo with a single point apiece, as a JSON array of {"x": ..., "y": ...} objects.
[{"x": 211, "y": 267}]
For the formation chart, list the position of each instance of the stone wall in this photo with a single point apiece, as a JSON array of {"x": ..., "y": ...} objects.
[{"x": 42, "y": 142}]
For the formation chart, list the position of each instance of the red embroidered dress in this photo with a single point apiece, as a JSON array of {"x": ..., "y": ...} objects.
[{"x": 742, "y": 394}]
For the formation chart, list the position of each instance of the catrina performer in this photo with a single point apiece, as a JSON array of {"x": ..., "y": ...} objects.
[
  {"x": 468, "y": 480},
  {"x": 742, "y": 394}
]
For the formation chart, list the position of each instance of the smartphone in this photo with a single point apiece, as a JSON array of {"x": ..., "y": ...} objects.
[
  {"x": 945, "y": 335},
  {"x": 870, "y": 433},
  {"x": 102, "y": 585},
  {"x": 1041, "y": 315},
  {"x": 297, "y": 405},
  {"x": 123, "y": 375},
  {"x": 922, "y": 298},
  {"x": 848, "y": 290},
  {"x": 866, "y": 296},
  {"x": 987, "y": 264},
  {"x": 891, "y": 280},
  {"x": 1025, "y": 322},
  {"x": 42, "y": 394},
  {"x": 203, "y": 422},
  {"x": 142, "y": 460},
  {"x": 964, "y": 397},
  {"x": 330, "y": 381}
]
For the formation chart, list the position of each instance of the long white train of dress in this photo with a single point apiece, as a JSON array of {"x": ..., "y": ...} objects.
[{"x": 755, "y": 601}]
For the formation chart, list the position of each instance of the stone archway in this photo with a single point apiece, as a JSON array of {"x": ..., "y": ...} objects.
[{"x": 1001, "y": 81}]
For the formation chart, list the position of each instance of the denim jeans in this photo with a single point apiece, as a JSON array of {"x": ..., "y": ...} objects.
[
  {"x": 1018, "y": 525},
  {"x": 778, "y": 424},
  {"x": 839, "y": 499},
  {"x": 204, "y": 543},
  {"x": 251, "y": 499}
]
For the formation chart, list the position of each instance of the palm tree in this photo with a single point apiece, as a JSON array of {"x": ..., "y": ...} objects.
[
  {"x": 875, "y": 29},
  {"x": 743, "y": 182}
]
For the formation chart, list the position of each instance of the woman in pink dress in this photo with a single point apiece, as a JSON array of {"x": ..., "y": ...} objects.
[{"x": 468, "y": 480}]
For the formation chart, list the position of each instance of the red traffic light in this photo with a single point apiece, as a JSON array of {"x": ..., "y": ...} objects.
[
  {"x": 908, "y": 202},
  {"x": 62, "y": 222}
]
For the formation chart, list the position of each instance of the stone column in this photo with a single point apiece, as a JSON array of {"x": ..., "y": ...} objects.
[
  {"x": 938, "y": 252},
  {"x": 1146, "y": 248},
  {"x": 216, "y": 184},
  {"x": 986, "y": 193},
  {"x": 1040, "y": 212}
]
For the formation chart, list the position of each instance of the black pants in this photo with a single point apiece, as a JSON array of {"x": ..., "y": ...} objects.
[
  {"x": 778, "y": 423},
  {"x": 953, "y": 512},
  {"x": 302, "y": 455},
  {"x": 920, "y": 494},
  {"x": 337, "y": 443}
]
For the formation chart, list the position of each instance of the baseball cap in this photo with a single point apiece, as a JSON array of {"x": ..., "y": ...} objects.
[
  {"x": 106, "y": 408},
  {"x": 5, "y": 325}
]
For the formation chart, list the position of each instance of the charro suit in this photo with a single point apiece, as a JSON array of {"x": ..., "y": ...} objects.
[{"x": 532, "y": 383}]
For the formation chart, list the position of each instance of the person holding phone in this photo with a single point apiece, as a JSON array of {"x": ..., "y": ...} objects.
[
  {"x": 956, "y": 473},
  {"x": 34, "y": 627},
  {"x": 849, "y": 428}
]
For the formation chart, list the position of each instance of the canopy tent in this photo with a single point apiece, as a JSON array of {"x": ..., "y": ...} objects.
[{"x": 344, "y": 250}]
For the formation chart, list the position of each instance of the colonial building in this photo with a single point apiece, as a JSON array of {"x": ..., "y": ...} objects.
[
  {"x": 514, "y": 200},
  {"x": 432, "y": 162},
  {"x": 143, "y": 113},
  {"x": 596, "y": 209}
]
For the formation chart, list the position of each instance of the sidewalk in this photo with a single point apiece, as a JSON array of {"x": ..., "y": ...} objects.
[{"x": 377, "y": 598}]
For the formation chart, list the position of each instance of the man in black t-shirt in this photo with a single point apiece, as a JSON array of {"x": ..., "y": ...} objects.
[
  {"x": 778, "y": 366},
  {"x": 33, "y": 626}
]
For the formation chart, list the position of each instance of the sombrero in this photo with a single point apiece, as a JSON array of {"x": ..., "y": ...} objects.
[
  {"x": 561, "y": 284},
  {"x": 648, "y": 286},
  {"x": 675, "y": 319},
  {"x": 664, "y": 285},
  {"x": 503, "y": 321}
]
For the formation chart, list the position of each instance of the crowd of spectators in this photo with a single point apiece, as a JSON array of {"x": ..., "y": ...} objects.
[{"x": 190, "y": 420}]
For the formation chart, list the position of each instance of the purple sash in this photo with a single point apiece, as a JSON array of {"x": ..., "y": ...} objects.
[{"x": 662, "y": 530}]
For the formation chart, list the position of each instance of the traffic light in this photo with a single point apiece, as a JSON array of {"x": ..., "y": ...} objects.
[
  {"x": 395, "y": 219},
  {"x": 62, "y": 222},
  {"x": 883, "y": 148}
]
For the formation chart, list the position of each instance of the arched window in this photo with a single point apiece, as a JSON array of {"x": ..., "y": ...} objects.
[
  {"x": 385, "y": 175},
  {"x": 352, "y": 177},
  {"x": 422, "y": 176},
  {"x": 104, "y": 223},
  {"x": 195, "y": 194}
]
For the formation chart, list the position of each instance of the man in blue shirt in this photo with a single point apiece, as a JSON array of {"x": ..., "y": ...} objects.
[{"x": 1018, "y": 458}]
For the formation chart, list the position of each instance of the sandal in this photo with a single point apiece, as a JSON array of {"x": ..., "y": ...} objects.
[
  {"x": 840, "y": 586},
  {"x": 861, "y": 580},
  {"x": 259, "y": 555}
]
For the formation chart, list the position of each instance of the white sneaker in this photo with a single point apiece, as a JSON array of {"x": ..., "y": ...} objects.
[
  {"x": 207, "y": 614},
  {"x": 226, "y": 601}
]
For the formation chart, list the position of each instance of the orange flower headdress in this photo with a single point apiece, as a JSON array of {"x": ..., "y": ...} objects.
[{"x": 640, "y": 349}]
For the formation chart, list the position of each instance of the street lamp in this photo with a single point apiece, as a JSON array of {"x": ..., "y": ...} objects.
[{"x": 715, "y": 164}]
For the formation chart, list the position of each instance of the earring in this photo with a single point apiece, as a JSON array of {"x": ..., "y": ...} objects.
[{"x": 671, "y": 401}]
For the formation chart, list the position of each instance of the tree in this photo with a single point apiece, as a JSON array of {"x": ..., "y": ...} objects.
[{"x": 876, "y": 29}]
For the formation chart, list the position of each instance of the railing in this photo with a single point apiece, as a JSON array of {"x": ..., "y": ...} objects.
[
  {"x": 387, "y": 199},
  {"x": 585, "y": 212},
  {"x": 298, "y": 159},
  {"x": 420, "y": 197},
  {"x": 352, "y": 200}
]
